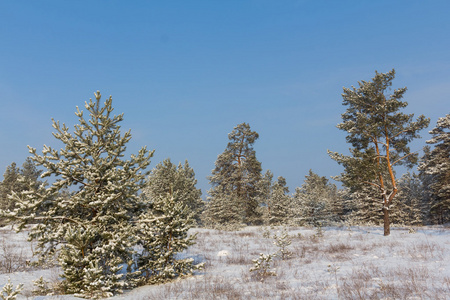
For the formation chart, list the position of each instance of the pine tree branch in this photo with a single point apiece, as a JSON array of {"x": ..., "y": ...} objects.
[
  {"x": 372, "y": 184},
  {"x": 55, "y": 217},
  {"x": 403, "y": 157},
  {"x": 151, "y": 220},
  {"x": 403, "y": 131}
]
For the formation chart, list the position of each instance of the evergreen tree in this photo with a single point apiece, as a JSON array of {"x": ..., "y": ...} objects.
[
  {"x": 92, "y": 231},
  {"x": 281, "y": 203},
  {"x": 265, "y": 188},
  {"x": 179, "y": 180},
  {"x": 317, "y": 201},
  {"x": 379, "y": 134},
  {"x": 18, "y": 180},
  {"x": 9, "y": 184},
  {"x": 436, "y": 164},
  {"x": 30, "y": 173},
  {"x": 408, "y": 209},
  {"x": 163, "y": 234},
  {"x": 235, "y": 179},
  {"x": 363, "y": 209}
]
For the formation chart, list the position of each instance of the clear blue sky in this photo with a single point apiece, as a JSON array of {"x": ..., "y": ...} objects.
[{"x": 185, "y": 73}]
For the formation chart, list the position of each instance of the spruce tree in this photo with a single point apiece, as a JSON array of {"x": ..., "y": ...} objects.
[
  {"x": 235, "y": 180},
  {"x": 436, "y": 167},
  {"x": 167, "y": 178},
  {"x": 379, "y": 134},
  {"x": 92, "y": 230}
]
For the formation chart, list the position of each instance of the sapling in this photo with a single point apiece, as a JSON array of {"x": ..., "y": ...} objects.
[
  {"x": 261, "y": 266},
  {"x": 42, "y": 287},
  {"x": 282, "y": 242},
  {"x": 8, "y": 291}
]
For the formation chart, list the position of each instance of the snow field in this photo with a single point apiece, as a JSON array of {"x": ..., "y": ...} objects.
[{"x": 345, "y": 263}]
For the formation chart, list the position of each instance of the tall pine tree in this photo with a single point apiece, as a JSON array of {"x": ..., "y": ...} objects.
[
  {"x": 235, "y": 181},
  {"x": 379, "y": 134}
]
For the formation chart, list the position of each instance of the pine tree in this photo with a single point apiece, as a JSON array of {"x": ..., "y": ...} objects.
[
  {"x": 9, "y": 184},
  {"x": 379, "y": 134},
  {"x": 317, "y": 201},
  {"x": 179, "y": 180},
  {"x": 281, "y": 203},
  {"x": 436, "y": 164},
  {"x": 18, "y": 180},
  {"x": 363, "y": 206},
  {"x": 92, "y": 231},
  {"x": 265, "y": 189},
  {"x": 30, "y": 173},
  {"x": 163, "y": 234},
  {"x": 408, "y": 209},
  {"x": 235, "y": 179}
]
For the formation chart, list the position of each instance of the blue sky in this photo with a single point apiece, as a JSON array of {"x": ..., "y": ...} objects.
[{"x": 185, "y": 73}]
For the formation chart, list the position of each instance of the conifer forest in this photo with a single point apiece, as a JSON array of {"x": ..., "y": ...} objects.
[{"x": 91, "y": 220}]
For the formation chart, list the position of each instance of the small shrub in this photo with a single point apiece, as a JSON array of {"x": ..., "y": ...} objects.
[
  {"x": 266, "y": 232},
  {"x": 261, "y": 268},
  {"x": 282, "y": 242},
  {"x": 42, "y": 287},
  {"x": 319, "y": 230},
  {"x": 12, "y": 258},
  {"x": 8, "y": 291}
]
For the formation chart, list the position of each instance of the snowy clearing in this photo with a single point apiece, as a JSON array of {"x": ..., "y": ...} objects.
[{"x": 338, "y": 263}]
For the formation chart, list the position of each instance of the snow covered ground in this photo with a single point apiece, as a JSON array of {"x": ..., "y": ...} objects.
[{"x": 344, "y": 263}]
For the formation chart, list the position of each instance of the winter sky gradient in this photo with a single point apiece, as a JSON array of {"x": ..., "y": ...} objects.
[{"x": 185, "y": 73}]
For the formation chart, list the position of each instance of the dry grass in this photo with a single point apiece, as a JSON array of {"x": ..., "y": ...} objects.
[
  {"x": 341, "y": 264},
  {"x": 338, "y": 265},
  {"x": 14, "y": 257}
]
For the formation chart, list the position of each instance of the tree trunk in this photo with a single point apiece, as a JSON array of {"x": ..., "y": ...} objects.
[{"x": 387, "y": 229}]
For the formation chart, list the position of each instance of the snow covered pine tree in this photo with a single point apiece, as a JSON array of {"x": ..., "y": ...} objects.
[
  {"x": 92, "y": 231},
  {"x": 436, "y": 164},
  {"x": 167, "y": 178}
]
